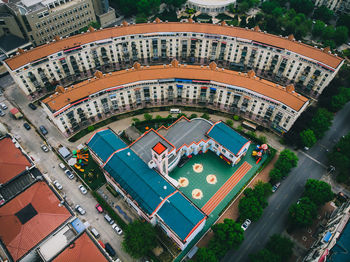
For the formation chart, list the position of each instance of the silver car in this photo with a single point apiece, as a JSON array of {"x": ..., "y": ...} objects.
[
  {"x": 82, "y": 189},
  {"x": 57, "y": 185},
  {"x": 80, "y": 210}
]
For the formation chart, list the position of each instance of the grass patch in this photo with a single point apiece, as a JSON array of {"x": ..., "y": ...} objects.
[
  {"x": 109, "y": 210},
  {"x": 112, "y": 191},
  {"x": 92, "y": 174}
]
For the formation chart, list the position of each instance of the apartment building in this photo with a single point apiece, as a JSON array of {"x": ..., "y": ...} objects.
[
  {"x": 75, "y": 58},
  {"x": 207, "y": 6},
  {"x": 338, "y": 6},
  {"x": 102, "y": 96}
]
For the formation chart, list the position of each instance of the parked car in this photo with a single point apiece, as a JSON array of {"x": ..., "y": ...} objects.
[
  {"x": 2, "y": 113},
  {"x": 275, "y": 187},
  {"x": 57, "y": 185},
  {"x": 26, "y": 125},
  {"x": 117, "y": 229},
  {"x": 109, "y": 249},
  {"x": 69, "y": 174},
  {"x": 246, "y": 224},
  {"x": 3, "y": 106},
  {"x": 80, "y": 210},
  {"x": 109, "y": 219},
  {"x": 32, "y": 106},
  {"x": 82, "y": 189},
  {"x": 62, "y": 166},
  {"x": 95, "y": 232},
  {"x": 99, "y": 208},
  {"x": 44, "y": 148},
  {"x": 43, "y": 130}
]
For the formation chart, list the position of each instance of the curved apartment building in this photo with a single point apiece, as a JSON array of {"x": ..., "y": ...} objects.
[
  {"x": 267, "y": 103},
  {"x": 72, "y": 59}
]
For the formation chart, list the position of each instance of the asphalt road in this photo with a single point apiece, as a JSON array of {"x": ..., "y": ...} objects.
[
  {"x": 47, "y": 162},
  {"x": 312, "y": 164}
]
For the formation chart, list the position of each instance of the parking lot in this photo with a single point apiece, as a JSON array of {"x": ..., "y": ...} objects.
[{"x": 48, "y": 163}]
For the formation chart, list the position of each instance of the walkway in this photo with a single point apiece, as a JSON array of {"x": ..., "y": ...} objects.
[{"x": 215, "y": 200}]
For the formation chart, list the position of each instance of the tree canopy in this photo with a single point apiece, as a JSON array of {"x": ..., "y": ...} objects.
[
  {"x": 280, "y": 246},
  {"x": 321, "y": 122},
  {"x": 340, "y": 159},
  {"x": 286, "y": 161},
  {"x": 205, "y": 255},
  {"x": 302, "y": 213},
  {"x": 139, "y": 238},
  {"x": 263, "y": 255},
  {"x": 323, "y": 13},
  {"x": 318, "y": 191},
  {"x": 302, "y": 6},
  {"x": 308, "y": 138}
]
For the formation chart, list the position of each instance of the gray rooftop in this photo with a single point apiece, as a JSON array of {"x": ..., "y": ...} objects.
[
  {"x": 10, "y": 42},
  {"x": 186, "y": 132},
  {"x": 144, "y": 145}
]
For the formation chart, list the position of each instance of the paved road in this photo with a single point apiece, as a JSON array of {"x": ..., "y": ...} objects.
[
  {"x": 48, "y": 162},
  {"x": 312, "y": 164}
]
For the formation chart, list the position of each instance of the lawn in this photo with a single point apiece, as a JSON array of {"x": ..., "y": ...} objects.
[{"x": 92, "y": 174}]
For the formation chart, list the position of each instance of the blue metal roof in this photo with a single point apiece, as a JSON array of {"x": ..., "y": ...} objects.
[
  {"x": 104, "y": 143},
  {"x": 180, "y": 215},
  {"x": 78, "y": 225},
  {"x": 227, "y": 137},
  {"x": 143, "y": 184},
  {"x": 327, "y": 237}
]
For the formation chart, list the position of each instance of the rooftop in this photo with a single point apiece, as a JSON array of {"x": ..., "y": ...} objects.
[
  {"x": 82, "y": 249},
  {"x": 169, "y": 27},
  {"x": 186, "y": 131},
  {"x": 159, "y": 148},
  {"x": 10, "y": 42},
  {"x": 143, "y": 145},
  {"x": 227, "y": 137},
  {"x": 29, "y": 218},
  {"x": 12, "y": 160},
  {"x": 63, "y": 101}
]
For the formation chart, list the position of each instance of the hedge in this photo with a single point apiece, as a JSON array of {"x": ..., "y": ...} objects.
[
  {"x": 112, "y": 191},
  {"x": 109, "y": 210}
]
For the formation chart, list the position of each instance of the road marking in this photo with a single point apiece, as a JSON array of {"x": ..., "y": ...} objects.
[
  {"x": 313, "y": 159},
  {"x": 278, "y": 206}
]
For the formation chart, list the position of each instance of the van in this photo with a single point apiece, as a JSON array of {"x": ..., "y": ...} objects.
[
  {"x": 110, "y": 249},
  {"x": 109, "y": 219},
  {"x": 175, "y": 111},
  {"x": 95, "y": 232}
]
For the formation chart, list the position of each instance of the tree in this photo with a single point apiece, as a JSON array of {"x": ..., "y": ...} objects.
[
  {"x": 158, "y": 117},
  {"x": 229, "y": 122},
  {"x": 321, "y": 122},
  {"x": 341, "y": 35},
  {"x": 261, "y": 192},
  {"x": 344, "y": 20},
  {"x": 205, "y": 116},
  {"x": 323, "y": 13},
  {"x": 318, "y": 191},
  {"x": 139, "y": 238},
  {"x": 173, "y": 4},
  {"x": 205, "y": 255},
  {"x": 250, "y": 207},
  {"x": 308, "y": 138},
  {"x": 229, "y": 233},
  {"x": 275, "y": 175},
  {"x": 328, "y": 32},
  {"x": 280, "y": 246},
  {"x": 243, "y": 7},
  {"x": 94, "y": 24},
  {"x": 286, "y": 161},
  {"x": 148, "y": 117},
  {"x": 269, "y": 6},
  {"x": 302, "y": 213},
  {"x": 243, "y": 22},
  {"x": 193, "y": 116},
  {"x": 340, "y": 159},
  {"x": 264, "y": 255},
  {"x": 302, "y": 6},
  {"x": 318, "y": 28}
]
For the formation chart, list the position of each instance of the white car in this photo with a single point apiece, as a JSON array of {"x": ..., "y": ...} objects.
[
  {"x": 246, "y": 224},
  {"x": 117, "y": 229},
  {"x": 57, "y": 185},
  {"x": 80, "y": 210},
  {"x": 44, "y": 148},
  {"x": 3, "y": 106},
  {"x": 82, "y": 189},
  {"x": 275, "y": 187}
]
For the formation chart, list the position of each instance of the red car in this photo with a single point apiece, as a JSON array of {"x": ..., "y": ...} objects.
[{"x": 99, "y": 208}]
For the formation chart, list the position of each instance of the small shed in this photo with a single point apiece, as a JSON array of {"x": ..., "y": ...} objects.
[
  {"x": 64, "y": 152},
  {"x": 16, "y": 114}
]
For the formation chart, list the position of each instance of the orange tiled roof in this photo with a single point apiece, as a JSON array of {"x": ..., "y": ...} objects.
[
  {"x": 20, "y": 238},
  {"x": 12, "y": 161},
  {"x": 119, "y": 78},
  {"x": 108, "y": 33},
  {"x": 159, "y": 148},
  {"x": 82, "y": 250}
]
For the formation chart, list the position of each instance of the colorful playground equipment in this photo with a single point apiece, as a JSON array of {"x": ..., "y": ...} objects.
[
  {"x": 259, "y": 152},
  {"x": 82, "y": 157}
]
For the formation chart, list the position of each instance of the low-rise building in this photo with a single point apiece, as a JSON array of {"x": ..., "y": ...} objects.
[
  {"x": 269, "y": 104},
  {"x": 338, "y": 6},
  {"x": 279, "y": 59},
  {"x": 209, "y": 6}
]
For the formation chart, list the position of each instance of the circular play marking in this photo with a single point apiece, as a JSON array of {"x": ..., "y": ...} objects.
[
  {"x": 198, "y": 168},
  {"x": 211, "y": 179},
  {"x": 183, "y": 182},
  {"x": 197, "y": 194}
]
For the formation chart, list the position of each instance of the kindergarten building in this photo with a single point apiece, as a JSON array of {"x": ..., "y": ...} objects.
[{"x": 140, "y": 171}]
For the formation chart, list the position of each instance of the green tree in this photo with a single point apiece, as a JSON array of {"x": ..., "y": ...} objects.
[
  {"x": 321, "y": 122},
  {"x": 173, "y": 4},
  {"x": 269, "y": 6},
  {"x": 318, "y": 28},
  {"x": 264, "y": 255},
  {"x": 340, "y": 159},
  {"x": 302, "y": 6},
  {"x": 337, "y": 102},
  {"x": 94, "y": 24},
  {"x": 250, "y": 207},
  {"x": 328, "y": 32},
  {"x": 302, "y": 213},
  {"x": 344, "y": 20},
  {"x": 280, "y": 246},
  {"x": 243, "y": 22},
  {"x": 205, "y": 116},
  {"x": 275, "y": 175},
  {"x": 229, "y": 122},
  {"x": 286, "y": 161},
  {"x": 329, "y": 43},
  {"x": 205, "y": 255},
  {"x": 158, "y": 117},
  {"x": 148, "y": 117},
  {"x": 308, "y": 138},
  {"x": 341, "y": 35},
  {"x": 323, "y": 13},
  {"x": 229, "y": 233},
  {"x": 261, "y": 192},
  {"x": 139, "y": 239},
  {"x": 140, "y": 18},
  {"x": 318, "y": 191},
  {"x": 193, "y": 116},
  {"x": 243, "y": 7}
]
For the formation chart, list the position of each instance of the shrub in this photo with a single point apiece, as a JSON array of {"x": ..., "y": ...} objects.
[
  {"x": 148, "y": 117},
  {"x": 112, "y": 191},
  {"x": 229, "y": 122},
  {"x": 193, "y": 116},
  {"x": 91, "y": 128},
  {"x": 205, "y": 116},
  {"x": 235, "y": 117},
  {"x": 158, "y": 117},
  {"x": 263, "y": 139}
]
